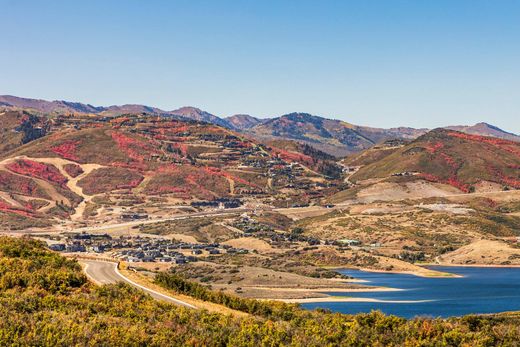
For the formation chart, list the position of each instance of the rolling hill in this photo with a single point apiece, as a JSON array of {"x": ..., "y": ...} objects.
[
  {"x": 91, "y": 164},
  {"x": 451, "y": 157}
]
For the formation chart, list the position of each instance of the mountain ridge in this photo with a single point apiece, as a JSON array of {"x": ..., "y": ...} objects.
[{"x": 336, "y": 137}]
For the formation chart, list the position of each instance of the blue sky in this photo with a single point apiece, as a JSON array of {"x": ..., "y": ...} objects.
[{"x": 379, "y": 63}]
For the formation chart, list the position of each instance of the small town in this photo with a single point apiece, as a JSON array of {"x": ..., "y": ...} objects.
[{"x": 134, "y": 249}]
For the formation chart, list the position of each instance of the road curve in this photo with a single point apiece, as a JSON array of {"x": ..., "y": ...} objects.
[{"x": 103, "y": 272}]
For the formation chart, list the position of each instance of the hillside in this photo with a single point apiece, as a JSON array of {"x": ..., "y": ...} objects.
[
  {"x": 89, "y": 165},
  {"x": 373, "y": 154},
  {"x": 453, "y": 158}
]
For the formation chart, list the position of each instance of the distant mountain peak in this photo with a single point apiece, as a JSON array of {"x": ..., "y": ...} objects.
[
  {"x": 202, "y": 116},
  {"x": 485, "y": 129},
  {"x": 243, "y": 121}
]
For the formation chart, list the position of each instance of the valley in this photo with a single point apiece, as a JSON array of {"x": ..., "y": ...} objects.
[{"x": 257, "y": 217}]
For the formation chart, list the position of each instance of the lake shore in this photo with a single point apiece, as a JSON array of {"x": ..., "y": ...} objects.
[
  {"x": 422, "y": 272},
  {"x": 427, "y": 274},
  {"x": 349, "y": 299},
  {"x": 498, "y": 266}
]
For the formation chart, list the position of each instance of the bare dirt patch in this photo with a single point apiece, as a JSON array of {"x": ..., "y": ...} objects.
[
  {"x": 483, "y": 252},
  {"x": 250, "y": 243}
]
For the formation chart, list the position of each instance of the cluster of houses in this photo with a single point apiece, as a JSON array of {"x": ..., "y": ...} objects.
[{"x": 140, "y": 249}]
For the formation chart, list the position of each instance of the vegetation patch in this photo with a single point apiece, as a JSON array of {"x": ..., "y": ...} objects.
[
  {"x": 108, "y": 179},
  {"x": 45, "y": 300}
]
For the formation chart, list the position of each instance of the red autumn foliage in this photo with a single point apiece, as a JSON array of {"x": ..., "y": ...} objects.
[
  {"x": 37, "y": 170},
  {"x": 432, "y": 148},
  {"x": 292, "y": 156},
  {"x": 502, "y": 178},
  {"x": 119, "y": 121},
  {"x": 450, "y": 161},
  {"x": 67, "y": 150},
  {"x": 506, "y": 145},
  {"x": 108, "y": 179},
  {"x": 16, "y": 184},
  {"x": 73, "y": 170},
  {"x": 188, "y": 181},
  {"x": 182, "y": 147},
  {"x": 4, "y": 207},
  {"x": 453, "y": 181},
  {"x": 134, "y": 148}
]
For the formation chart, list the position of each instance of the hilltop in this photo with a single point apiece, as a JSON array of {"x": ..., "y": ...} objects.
[
  {"x": 485, "y": 129},
  {"x": 243, "y": 121}
]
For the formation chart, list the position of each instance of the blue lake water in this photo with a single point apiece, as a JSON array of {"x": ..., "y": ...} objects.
[{"x": 480, "y": 290}]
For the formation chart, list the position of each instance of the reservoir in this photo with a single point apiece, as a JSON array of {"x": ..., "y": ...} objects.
[{"x": 479, "y": 290}]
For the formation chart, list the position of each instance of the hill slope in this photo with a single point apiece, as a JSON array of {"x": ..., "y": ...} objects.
[
  {"x": 89, "y": 163},
  {"x": 452, "y": 157}
]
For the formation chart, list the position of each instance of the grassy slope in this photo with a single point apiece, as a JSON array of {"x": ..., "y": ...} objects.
[{"x": 454, "y": 158}]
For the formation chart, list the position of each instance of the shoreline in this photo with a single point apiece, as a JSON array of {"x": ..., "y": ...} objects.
[
  {"x": 347, "y": 299},
  {"x": 436, "y": 274},
  {"x": 511, "y": 266},
  {"x": 327, "y": 290},
  {"x": 331, "y": 298}
]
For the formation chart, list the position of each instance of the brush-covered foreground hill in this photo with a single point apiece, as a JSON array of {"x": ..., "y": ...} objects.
[
  {"x": 45, "y": 300},
  {"x": 446, "y": 156},
  {"x": 335, "y": 137},
  {"x": 92, "y": 163}
]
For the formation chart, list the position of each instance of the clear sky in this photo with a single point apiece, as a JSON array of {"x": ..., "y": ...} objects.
[{"x": 380, "y": 63}]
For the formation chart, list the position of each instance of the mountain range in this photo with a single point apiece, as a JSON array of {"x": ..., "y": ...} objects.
[{"x": 332, "y": 136}]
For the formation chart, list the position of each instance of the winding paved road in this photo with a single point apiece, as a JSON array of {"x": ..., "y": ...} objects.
[{"x": 103, "y": 272}]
